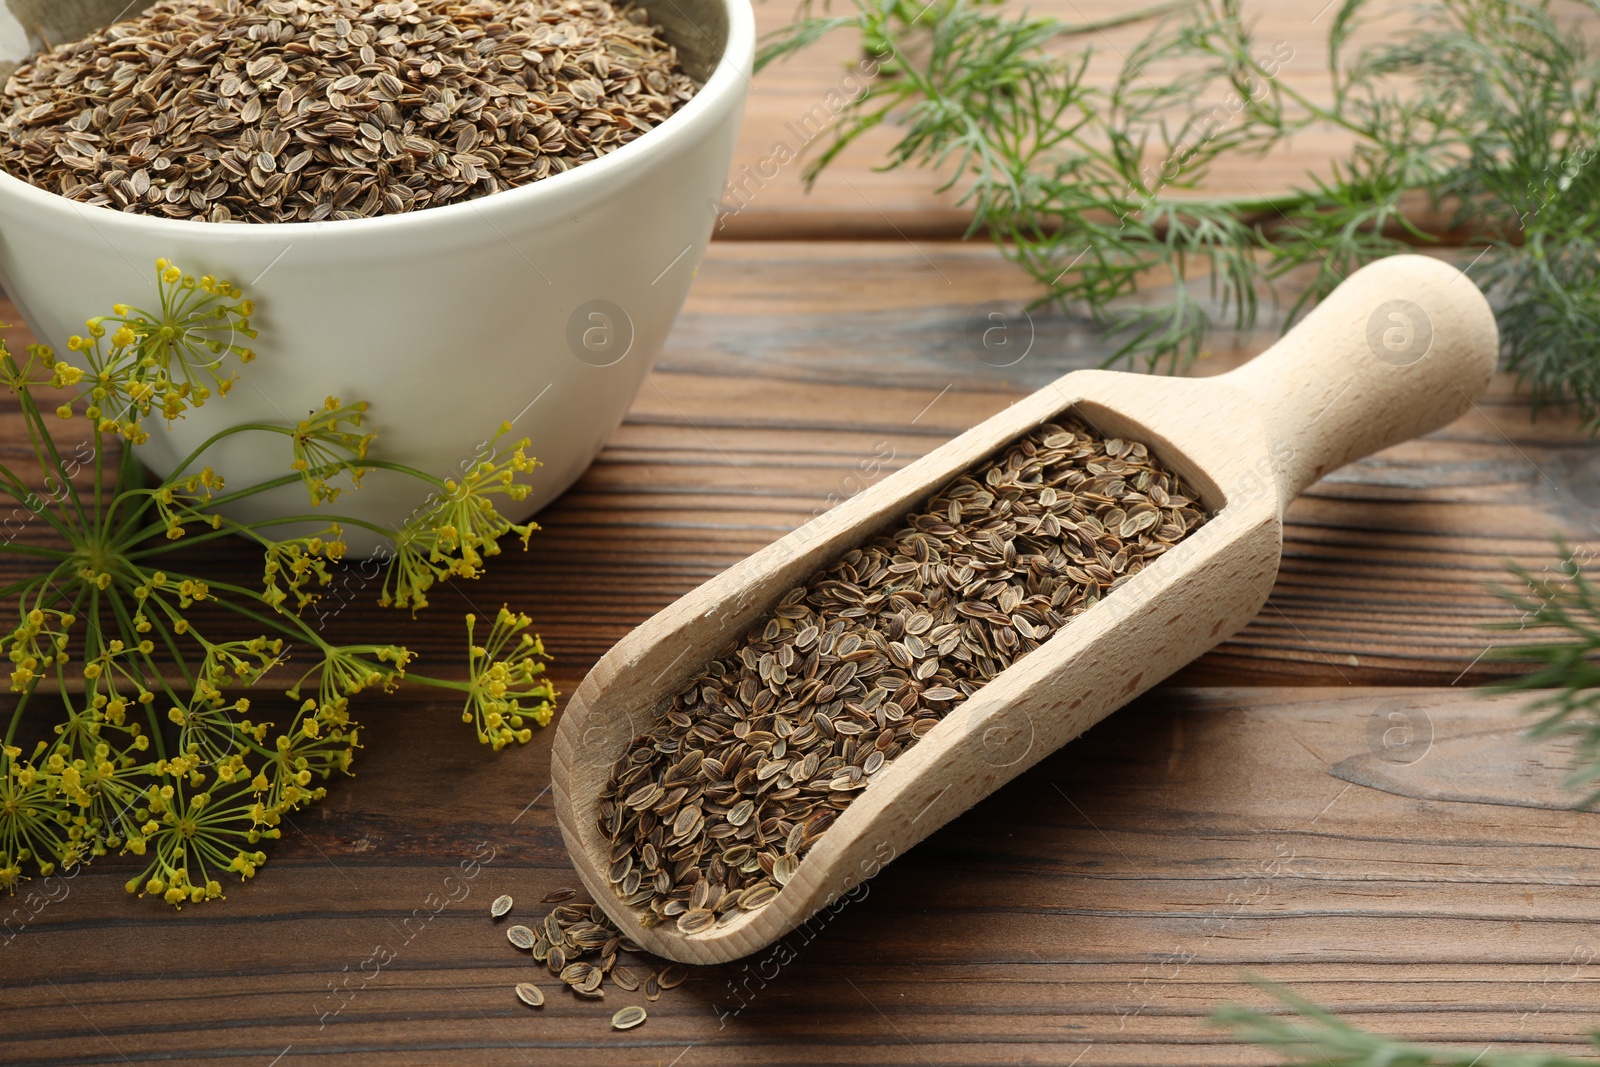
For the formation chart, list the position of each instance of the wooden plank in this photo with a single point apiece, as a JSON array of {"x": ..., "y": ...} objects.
[
  {"x": 801, "y": 371},
  {"x": 791, "y": 113},
  {"x": 1100, "y": 906}
]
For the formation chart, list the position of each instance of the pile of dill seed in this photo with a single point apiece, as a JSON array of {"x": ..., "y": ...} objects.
[
  {"x": 304, "y": 110},
  {"x": 711, "y": 811}
]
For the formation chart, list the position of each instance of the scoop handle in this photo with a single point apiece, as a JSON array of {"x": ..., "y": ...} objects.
[{"x": 1402, "y": 347}]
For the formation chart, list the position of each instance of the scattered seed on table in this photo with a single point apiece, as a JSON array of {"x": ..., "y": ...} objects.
[
  {"x": 530, "y": 994},
  {"x": 501, "y": 905},
  {"x": 560, "y": 895},
  {"x": 580, "y": 945},
  {"x": 628, "y": 1017}
]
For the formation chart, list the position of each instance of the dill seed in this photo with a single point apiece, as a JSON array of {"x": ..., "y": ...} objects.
[
  {"x": 712, "y": 810},
  {"x": 698, "y": 921},
  {"x": 580, "y": 945},
  {"x": 628, "y": 1017},
  {"x": 501, "y": 905},
  {"x": 304, "y": 110},
  {"x": 559, "y": 895}
]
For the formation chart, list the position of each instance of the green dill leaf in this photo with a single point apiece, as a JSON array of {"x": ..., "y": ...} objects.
[
  {"x": 1562, "y": 601},
  {"x": 1488, "y": 111},
  {"x": 1309, "y": 1034}
]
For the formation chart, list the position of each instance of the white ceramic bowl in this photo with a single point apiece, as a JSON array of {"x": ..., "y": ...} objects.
[{"x": 543, "y": 306}]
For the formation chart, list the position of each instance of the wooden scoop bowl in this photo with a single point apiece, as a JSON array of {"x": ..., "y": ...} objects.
[{"x": 1399, "y": 349}]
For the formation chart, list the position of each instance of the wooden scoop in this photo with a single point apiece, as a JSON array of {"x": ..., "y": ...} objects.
[{"x": 1401, "y": 348}]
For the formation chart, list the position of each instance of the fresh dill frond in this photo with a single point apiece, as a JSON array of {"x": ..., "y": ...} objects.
[
  {"x": 1489, "y": 110},
  {"x": 1562, "y": 600},
  {"x": 1310, "y": 1034},
  {"x": 156, "y": 750}
]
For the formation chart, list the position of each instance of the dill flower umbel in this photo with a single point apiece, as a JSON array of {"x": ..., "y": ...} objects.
[
  {"x": 507, "y": 690},
  {"x": 169, "y": 360},
  {"x": 458, "y": 525},
  {"x": 324, "y": 443},
  {"x": 166, "y": 745}
]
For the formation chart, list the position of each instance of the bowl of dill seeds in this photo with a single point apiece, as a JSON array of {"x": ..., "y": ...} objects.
[{"x": 465, "y": 212}]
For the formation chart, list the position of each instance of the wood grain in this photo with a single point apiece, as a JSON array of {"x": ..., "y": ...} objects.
[{"x": 1098, "y": 907}]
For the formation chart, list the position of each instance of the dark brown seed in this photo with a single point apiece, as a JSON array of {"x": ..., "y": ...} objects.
[{"x": 559, "y": 895}]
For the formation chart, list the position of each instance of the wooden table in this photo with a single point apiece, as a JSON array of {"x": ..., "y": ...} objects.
[{"x": 1251, "y": 816}]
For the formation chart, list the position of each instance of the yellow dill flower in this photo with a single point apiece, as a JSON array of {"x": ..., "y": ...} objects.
[
  {"x": 37, "y": 369},
  {"x": 346, "y": 670},
  {"x": 155, "y": 751},
  {"x": 321, "y": 741},
  {"x": 507, "y": 689},
  {"x": 300, "y": 564},
  {"x": 34, "y": 817},
  {"x": 170, "y": 359},
  {"x": 458, "y": 527},
  {"x": 210, "y": 724},
  {"x": 38, "y": 643},
  {"x": 328, "y": 450}
]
